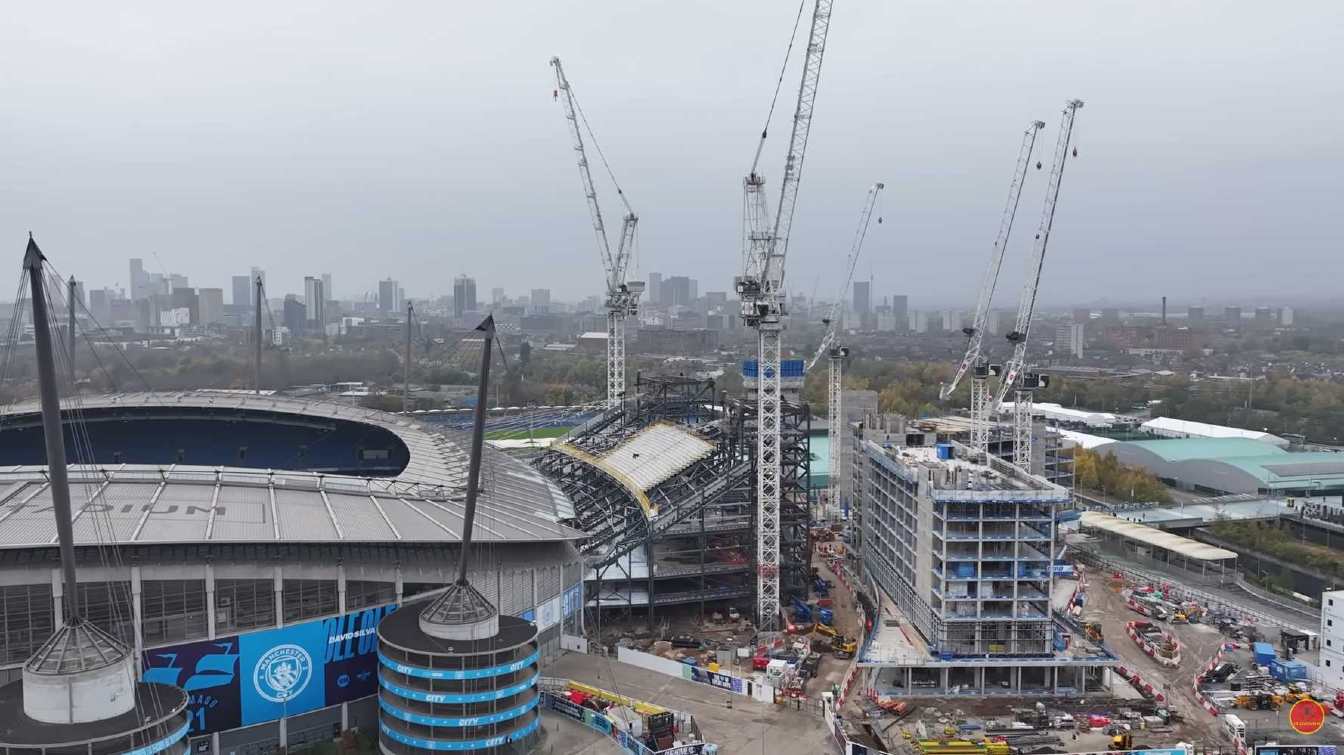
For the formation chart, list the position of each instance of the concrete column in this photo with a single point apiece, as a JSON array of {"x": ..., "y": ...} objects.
[
  {"x": 944, "y": 677},
  {"x": 210, "y": 601},
  {"x": 278, "y": 584},
  {"x": 1082, "y": 681},
  {"x": 345, "y": 716},
  {"x": 340, "y": 592},
  {"x": 137, "y": 611},
  {"x": 980, "y": 676},
  {"x": 1017, "y": 679},
  {"x": 398, "y": 583},
  {"x": 214, "y": 742},
  {"x": 57, "y": 595},
  {"x": 284, "y": 731}
]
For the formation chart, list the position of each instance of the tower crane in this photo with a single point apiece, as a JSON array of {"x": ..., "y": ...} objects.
[
  {"x": 979, "y": 367},
  {"x": 1014, "y": 377},
  {"x": 622, "y": 296},
  {"x": 838, "y": 352},
  {"x": 761, "y": 291}
]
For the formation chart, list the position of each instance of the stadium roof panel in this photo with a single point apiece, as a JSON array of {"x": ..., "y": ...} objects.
[{"x": 188, "y": 504}]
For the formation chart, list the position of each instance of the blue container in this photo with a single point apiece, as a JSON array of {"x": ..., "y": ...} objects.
[
  {"x": 1263, "y": 653},
  {"x": 964, "y": 570},
  {"x": 944, "y": 450}
]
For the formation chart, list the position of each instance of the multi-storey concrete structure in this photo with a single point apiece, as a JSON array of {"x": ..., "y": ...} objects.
[{"x": 1332, "y": 639}]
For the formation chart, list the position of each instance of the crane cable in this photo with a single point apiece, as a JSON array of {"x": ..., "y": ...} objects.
[{"x": 783, "y": 68}]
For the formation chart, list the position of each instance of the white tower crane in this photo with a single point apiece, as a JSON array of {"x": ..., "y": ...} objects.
[
  {"x": 622, "y": 296},
  {"x": 975, "y": 334},
  {"x": 761, "y": 291},
  {"x": 831, "y": 346},
  {"x": 1026, "y": 383}
]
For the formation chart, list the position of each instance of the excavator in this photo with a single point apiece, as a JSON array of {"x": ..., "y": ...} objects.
[
  {"x": 1121, "y": 742},
  {"x": 1093, "y": 629}
]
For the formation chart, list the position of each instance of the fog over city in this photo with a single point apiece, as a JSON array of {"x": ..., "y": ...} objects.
[{"x": 422, "y": 141}]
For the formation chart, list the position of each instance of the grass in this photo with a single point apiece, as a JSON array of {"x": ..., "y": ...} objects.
[{"x": 540, "y": 432}]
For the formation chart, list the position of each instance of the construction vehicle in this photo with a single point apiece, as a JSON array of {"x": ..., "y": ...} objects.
[
  {"x": 1180, "y": 617},
  {"x": 844, "y": 647},
  {"x": 760, "y": 289},
  {"x": 1093, "y": 630},
  {"x": 1121, "y": 742},
  {"x": 825, "y": 629}
]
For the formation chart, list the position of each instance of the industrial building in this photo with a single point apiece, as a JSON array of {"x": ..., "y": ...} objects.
[
  {"x": 963, "y": 549},
  {"x": 665, "y": 488},
  {"x": 1235, "y": 465},
  {"x": 243, "y": 524},
  {"x": 1332, "y": 639}
]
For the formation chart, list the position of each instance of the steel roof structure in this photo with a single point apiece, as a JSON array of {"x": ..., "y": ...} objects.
[
  {"x": 175, "y": 504},
  {"x": 1156, "y": 538}
]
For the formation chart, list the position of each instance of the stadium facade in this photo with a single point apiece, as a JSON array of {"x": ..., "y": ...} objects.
[{"x": 218, "y": 532}]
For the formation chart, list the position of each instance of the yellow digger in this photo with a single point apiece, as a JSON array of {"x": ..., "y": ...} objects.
[
  {"x": 1093, "y": 629},
  {"x": 1121, "y": 742}
]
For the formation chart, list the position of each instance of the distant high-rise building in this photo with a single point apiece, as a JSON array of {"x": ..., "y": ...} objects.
[
  {"x": 242, "y": 291},
  {"x": 295, "y": 315},
  {"x": 541, "y": 300},
  {"x": 716, "y": 298},
  {"x": 1082, "y": 314},
  {"x": 1286, "y": 316},
  {"x": 693, "y": 291},
  {"x": 210, "y": 302},
  {"x": 951, "y": 321},
  {"x": 464, "y": 295},
  {"x": 1264, "y": 317},
  {"x": 863, "y": 297},
  {"x": 100, "y": 305},
  {"x": 186, "y": 298},
  {"x": 1232, "y": 315},
  {"x": 900, "y": 312},
  {"x": 676, "y": 291},
  {"x": 176, "y": 281},
  {"x": 656, "y": 288},
  {"x": 387, "y": 295},
  {"x": 1194, "y": 315},
  {"x": 994, "y": 322},
  {"x": 315, "y": 302},
  {"x": 919, "y": 321},
  {"x": 138, "y": 281},
  {"x": 496, "y": 296},
  {"x": 327, "y": 291},
  {"x": 1069, "y": 340},
  {"x": 1110, "y": 315}
]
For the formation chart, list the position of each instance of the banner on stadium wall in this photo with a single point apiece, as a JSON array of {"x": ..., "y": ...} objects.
[
  {"x": 239, "y": 680},
  {"x": 714, "y": 679}
]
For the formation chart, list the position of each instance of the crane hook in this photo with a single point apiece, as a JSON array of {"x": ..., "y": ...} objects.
[
  {"x": 1075, "y": 151},
  {"x": 1038, "y": 165}
]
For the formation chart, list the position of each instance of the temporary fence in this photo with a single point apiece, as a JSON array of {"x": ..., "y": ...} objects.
[
  {"x": 1151, "y": 649},
  {"x": 1144, "y": 686}
]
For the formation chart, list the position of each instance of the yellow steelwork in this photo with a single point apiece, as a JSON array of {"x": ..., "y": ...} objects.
[
  {"x": 575, "y": 452},
  {"x": 639, "y": 706}
]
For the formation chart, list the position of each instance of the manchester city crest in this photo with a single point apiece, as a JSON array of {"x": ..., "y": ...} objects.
[{"x": 282, "y": 673}]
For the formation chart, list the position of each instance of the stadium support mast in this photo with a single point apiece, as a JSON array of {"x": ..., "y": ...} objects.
[
  {"x": 487, "y": 329},
  {"x": 256, "y": 334},
  {"x": 975, "y": 333},
  {"x": 761, "y": 291},
  {"x": 622, "y": 296},
  {"x": 1014, "y": 378},
  {"x": 838, "y": 352},
  {"x": 406, "y": 374},
  {"x": 51, "y": 430},
  {"x": 72, "y": 289}
]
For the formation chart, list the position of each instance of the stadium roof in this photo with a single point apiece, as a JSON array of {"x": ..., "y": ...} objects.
[
  {"x": 1142, "y": 533},
  {"x": 187, "y": 504},
  {"x": 1181, "y": 428}
]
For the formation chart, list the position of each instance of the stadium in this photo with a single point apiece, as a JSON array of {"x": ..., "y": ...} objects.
[{"x": 215, "y": 528}]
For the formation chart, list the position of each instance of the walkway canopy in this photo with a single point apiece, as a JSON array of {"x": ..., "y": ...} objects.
[{"x": 1144, "y": 543}]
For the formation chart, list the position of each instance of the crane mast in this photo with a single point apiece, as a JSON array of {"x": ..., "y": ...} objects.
[
  {"x": 837, "y": 352},
  {"x": 975, "y": 334},
  {"x": 761, "y": 291},
  {"x": 622, "y": 300},
  {"x": 1014, "y": 377}
]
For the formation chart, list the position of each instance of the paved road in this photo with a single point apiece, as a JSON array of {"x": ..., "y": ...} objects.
[{"x": 747, "y": 728}]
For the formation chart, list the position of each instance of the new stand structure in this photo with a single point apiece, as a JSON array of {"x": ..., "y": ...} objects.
[
  {"x": 456, "y": 675},
  {"x": 79, "y": 692}
]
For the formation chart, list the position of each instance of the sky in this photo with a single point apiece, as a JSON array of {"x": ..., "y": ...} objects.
[{"x": 421, "y": 140}]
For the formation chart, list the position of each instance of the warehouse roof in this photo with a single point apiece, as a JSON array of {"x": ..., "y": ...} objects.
[
  {"x": 178, "y": 503},
  {"x": 1182, "y": 428},
  {"x": 1234, "y": 465},
  {"x": 1142, "y": 533},
  {"x": 1183, "y": 449}
]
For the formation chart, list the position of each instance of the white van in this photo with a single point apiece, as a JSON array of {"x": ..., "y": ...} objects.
[{"x": 1234, "y": 727}]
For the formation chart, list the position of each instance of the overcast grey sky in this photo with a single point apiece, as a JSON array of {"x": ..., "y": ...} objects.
[{"x": 420, "y": 140}]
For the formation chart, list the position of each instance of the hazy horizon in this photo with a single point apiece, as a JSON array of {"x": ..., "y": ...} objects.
[{"x": 425, "y": 143}]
